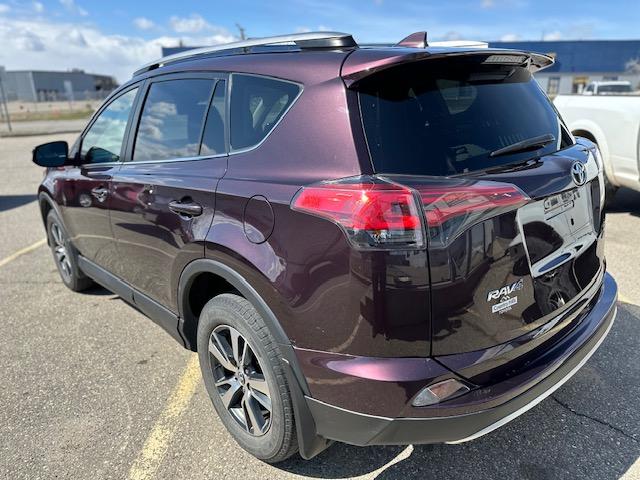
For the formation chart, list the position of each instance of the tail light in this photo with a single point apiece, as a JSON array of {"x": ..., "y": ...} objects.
[
  {"x": 452, "y": 209},
  {"x": 373, "y": 213}
]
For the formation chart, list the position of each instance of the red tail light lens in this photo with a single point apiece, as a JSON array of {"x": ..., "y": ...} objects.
[
  {"x": 452, "y": 209},
  {"x": 373, "y": 215}
]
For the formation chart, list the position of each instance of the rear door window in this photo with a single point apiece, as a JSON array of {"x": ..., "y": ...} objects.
[
  {"x": 172, "y": 119},
  {"x": 257, "y": 104},
  {"x": 445, "y": 117}
]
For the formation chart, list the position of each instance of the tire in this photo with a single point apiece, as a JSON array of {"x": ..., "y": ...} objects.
[
  {"x": 65, "y": 255},
  {"x": 239, "y": 398},
  {"x": 610, "y": 191}
]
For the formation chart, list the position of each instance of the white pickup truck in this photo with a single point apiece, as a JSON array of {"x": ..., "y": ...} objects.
[{"x": 613, "y": 122}]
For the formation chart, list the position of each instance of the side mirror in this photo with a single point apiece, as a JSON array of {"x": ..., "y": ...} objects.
[{"x": 53, "y": 154}]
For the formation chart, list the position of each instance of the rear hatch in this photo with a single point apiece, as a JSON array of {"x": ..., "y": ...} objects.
[{"x": 511, "y": 202}]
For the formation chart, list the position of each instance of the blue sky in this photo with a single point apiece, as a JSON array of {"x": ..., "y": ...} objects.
[{"x": 117, "y": 35}]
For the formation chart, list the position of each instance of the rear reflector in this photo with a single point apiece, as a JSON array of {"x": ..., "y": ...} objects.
[
  {"x": 439, "y": 392},
  {"x": 373, "y": 213}
]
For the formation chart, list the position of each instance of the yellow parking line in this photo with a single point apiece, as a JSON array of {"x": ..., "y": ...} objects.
[
  {"x": 633, "y": 473},
  {"x": 155, "y": 447},
  {"x": 624, "y": 299},
  {"x": 28, "y": 249}
]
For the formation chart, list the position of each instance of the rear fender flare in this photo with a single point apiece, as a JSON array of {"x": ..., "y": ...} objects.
[
  {"x": 310, "y": 443},
  {"x": 45, "y": 197}
]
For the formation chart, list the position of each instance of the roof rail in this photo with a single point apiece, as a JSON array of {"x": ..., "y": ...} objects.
[{"x": 302, "y": 40}]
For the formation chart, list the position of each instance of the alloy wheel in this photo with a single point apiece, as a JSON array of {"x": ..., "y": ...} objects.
[
  {"x": 60, "y": 252},
  {"x": 239, "y": 380}
]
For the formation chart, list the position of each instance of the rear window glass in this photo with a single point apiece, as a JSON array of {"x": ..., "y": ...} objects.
[
  {"x": 172, "y": 119},
  {"x": 445, "y": 117},
  {"x": 257, "y": 104}
]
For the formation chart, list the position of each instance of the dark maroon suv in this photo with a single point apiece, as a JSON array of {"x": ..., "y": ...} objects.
[{"x": 371, "y": 245}]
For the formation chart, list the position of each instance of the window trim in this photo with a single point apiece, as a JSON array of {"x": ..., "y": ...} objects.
[
  {"x": 145, "y": 84},
  {"x": 231, "y": 150},
  {"x": 215, "y": 77},
  {"x": 125, "y": 139}
]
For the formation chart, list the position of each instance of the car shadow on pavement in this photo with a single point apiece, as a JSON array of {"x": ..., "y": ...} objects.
[
  {"x": 100, "y": 291},
  {"x": 589, "y": 428},
  {"x": 625, "y": 201},
  {"x": 7, "y": 202}
]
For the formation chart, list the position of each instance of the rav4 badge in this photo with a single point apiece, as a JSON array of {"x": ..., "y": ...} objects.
[{"x": 506, "y": 290}]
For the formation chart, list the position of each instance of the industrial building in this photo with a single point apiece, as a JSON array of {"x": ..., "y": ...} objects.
[
  {"x": 40, "y": 86},
  {"x": 578, "y": 62}
]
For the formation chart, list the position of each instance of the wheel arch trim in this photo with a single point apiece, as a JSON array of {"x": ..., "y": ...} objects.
[
  {"x": 310, "y": 443},
  {"x": 236, "y": 280}
]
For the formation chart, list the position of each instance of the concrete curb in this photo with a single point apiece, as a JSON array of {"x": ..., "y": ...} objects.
[{"x": 36, "y": 133}]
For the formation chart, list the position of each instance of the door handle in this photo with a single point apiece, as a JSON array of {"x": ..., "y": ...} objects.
[
  {"x": 187, "y": 208},
  {"x": 100, "y": 193}
]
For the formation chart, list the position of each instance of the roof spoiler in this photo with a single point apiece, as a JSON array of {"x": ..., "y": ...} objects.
[{"x": 358, "y": 67}]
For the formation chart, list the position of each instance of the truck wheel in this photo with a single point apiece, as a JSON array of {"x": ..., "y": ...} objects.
[
  {"x": 244, "y": 374},
  {"x": 65, "y": 255},
  {"x": 610, "y": 191}
]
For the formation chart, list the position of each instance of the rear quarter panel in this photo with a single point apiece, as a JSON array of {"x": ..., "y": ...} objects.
[{"x": 325, "y": 295}]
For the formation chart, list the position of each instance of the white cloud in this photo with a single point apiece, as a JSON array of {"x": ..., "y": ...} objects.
[
  {"x": 37, "y": 7},
  {"x": 192, "y": 24},
  {"x": 488, "y": 3},
  {"x": 555, "y": 35},
  {"x": 510, "y": 37},
  {"x": 452, "y": 35},
  {"x": 72, "y": 7},
  {"x": 50, "y": 45},
  {"x": 4, "y": 8},
  {"x": 143, "y": 23}
]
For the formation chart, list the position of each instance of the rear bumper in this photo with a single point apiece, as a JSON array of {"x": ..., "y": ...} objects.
[{"x": 570, "y": 355}]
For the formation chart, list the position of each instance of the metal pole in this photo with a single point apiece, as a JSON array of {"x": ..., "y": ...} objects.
[{"x": 4, "y": 103}]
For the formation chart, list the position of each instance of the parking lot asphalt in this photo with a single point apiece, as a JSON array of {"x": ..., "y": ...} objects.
[{"x": 89, "y": 388}]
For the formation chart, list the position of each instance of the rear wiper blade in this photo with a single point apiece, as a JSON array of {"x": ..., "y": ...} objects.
[
  {"x": 507, "y": 167},
  {"x": 524, "y": 145}
]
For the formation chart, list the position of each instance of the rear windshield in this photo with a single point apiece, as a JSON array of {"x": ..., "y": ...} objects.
[{"x": 445, "y": 117}]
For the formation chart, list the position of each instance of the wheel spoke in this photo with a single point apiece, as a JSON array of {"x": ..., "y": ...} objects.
[
  {"x": 256, "y": 419},
  {"x": 259, "y": 383},
  {"x": 229, "y": 397},
  {"x": 264, "y": 400},
  {"x": 217, "y": 349},
  {"x": 245, "y": 357},
  {"x": 225, "y": 381},
  {"x": 240, "y": 382},
  {"x": 235, "y": 346},
  {"x": 57, "y": 235}
]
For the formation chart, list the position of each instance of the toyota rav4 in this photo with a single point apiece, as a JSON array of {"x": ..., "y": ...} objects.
[{"x": 371, "y": 245}]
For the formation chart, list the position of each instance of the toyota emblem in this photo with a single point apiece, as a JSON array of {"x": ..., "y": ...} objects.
[{"x": 578, "y": 173}]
